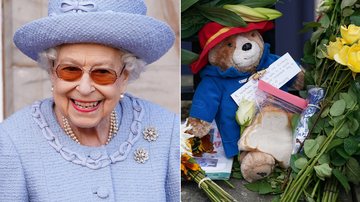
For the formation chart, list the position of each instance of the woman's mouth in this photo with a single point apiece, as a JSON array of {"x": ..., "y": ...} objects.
[{"x": 85, "y": 106}]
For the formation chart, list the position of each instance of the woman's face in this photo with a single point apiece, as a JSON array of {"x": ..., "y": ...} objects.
[{"x": 84, "y": 102}]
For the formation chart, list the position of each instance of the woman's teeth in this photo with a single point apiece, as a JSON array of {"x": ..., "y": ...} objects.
[{"x": 86, "y": 105}]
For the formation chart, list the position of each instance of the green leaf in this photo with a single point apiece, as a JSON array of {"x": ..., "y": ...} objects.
[
  {"x": 353, "y": 125},
  {"x": 191, "y": 22},
  {"x": 328, "y": 130},
  {"x": 187, "y": 57},
  {"x": 211, "y": 3},
  {"x": 220, "y": 3},
  {"x": 222, "y": 16},
  {"x": 324, "y": 21},
  {"x": 316, "y": 35},
  {"x": 355, "y": 19},
  {"x": 300, "y": 163},
  {"x": 350, "y": 146},
  {"x": 185, "y": 4},
  {"x": 265, "y": 188},
  {"x": 310, "y": 147},
  {"x": 308, "y": 26},
  {"x": 338, "y": 108},
  {"x": 336, "y": 159},
  {"x": 349, "y": 100},
  {"x": 321, "y": 51},
  {"x": 335, "y": 121},
  {"x": 190, "y": 31},
  {"x": 342, "y": 153},
  {"x": 353, "y": 171},
  {"x": 347, "y": 3},
  {"x": 325, "y": 113},
  {"x": 254, "y": 186},
  {"x": 342, "y": 179},
  {"x": 344, "y": 131},
  {"x": 347, "y": 12},
  {"x": 276, "y": 199},
  {"x": 320, "y": 139},
  {"x": 293, "y": 158},
  {"x": 323, "y": 171},
  {"x": 325, "y": 158},
  {"x": 259, "y": 3},
  {"x": 334, "y": 143}
]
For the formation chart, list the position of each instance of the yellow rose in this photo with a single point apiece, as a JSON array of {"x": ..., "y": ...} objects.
[
  {"x": 354, "y": 58},
  {"x": 334, "y": 48},
  {"x": 342, "y": 56},
  {"x": 351, "y": 34}
]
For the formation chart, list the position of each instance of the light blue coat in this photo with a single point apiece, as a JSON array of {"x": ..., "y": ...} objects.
[{"x": 39, "y": 162}]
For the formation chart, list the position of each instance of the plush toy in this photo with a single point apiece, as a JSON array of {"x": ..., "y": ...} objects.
[{"x": 234, "y": 54}]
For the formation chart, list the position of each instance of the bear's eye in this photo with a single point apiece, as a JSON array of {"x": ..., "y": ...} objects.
[
  {"x": 229, "y": 44},
  {"x": 253, "y": 34}
]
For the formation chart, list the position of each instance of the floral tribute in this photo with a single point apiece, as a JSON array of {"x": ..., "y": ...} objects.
[
  {"x": 191, "y": 170},
  {"x": 328, "y": 161}
]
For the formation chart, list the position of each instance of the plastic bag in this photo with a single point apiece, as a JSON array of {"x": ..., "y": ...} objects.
[{"x": 270, "y": 130}]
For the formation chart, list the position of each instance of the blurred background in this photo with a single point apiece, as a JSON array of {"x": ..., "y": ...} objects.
[{"x": 22, "y": 81}]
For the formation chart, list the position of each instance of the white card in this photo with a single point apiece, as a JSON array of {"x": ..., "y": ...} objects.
[{"x": 277, "y": 74}]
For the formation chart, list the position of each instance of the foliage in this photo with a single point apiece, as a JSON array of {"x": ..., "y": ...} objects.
[
  {"x": 196, "y": 13},
  {"x": 331, "y": 152}
]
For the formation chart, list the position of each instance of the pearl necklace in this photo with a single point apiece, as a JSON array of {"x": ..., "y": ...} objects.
[{"x": 112, "y": 131}]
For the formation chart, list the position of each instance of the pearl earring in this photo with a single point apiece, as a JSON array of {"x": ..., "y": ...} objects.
[
  {"x": 122, "y": 96},
  {"x": 52, "y": 88}
]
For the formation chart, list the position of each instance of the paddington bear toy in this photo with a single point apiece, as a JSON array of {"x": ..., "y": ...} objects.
[{"x": 230, "y": 55}]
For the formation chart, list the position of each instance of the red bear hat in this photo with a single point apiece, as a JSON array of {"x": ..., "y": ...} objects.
[{"x": 213, "y": 33}]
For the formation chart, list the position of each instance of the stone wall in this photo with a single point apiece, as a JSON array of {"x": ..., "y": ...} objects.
[{"x": 25, "y": 82}]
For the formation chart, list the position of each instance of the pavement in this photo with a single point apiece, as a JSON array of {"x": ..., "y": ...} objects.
[{"x": 191, "y": 193}]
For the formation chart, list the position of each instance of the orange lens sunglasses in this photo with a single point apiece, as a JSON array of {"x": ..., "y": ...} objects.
[{"x": 101, "y": 76}]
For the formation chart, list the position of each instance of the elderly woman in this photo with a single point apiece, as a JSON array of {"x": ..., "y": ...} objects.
[{"x": 91, "y": 141}]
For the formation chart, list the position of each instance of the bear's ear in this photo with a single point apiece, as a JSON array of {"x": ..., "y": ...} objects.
[
  {"x": 254, "y": 36},
  {"x": 221, "y": 54}
]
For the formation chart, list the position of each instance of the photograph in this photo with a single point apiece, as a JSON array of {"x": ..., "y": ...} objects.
[
  {"x": 90, "y": 100},
  {"x": 278, "y": 82}
]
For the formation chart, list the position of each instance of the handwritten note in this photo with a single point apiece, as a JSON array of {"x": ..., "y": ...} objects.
[{"x": 277, "y": 74}]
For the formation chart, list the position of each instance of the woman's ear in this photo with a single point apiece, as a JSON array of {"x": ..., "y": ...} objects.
[
  {"x": 126, "y": 74},
  {"x": 51, "y": 71}
]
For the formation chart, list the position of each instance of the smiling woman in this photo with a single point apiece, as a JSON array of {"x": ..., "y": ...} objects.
[
  {"x": 88, "y": 80},
  {"x": 92, "y": 140}
]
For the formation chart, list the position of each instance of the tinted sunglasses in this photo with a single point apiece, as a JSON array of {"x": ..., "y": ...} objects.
[{"x": 101, "y": 76}]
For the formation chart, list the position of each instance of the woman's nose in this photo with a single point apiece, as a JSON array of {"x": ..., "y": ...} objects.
[{"x": 85, "y": 86}]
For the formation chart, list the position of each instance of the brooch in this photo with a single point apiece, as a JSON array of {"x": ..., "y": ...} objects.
[
  {"x": 141, "y": 155},
  {"x": 150, "y": 134}
]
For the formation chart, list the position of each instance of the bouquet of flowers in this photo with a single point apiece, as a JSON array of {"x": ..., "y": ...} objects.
[
  {"x": 191, "y": 170},
  {"x": 330, "y": 154}
]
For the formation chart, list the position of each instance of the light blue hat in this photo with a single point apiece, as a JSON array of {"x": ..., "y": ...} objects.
[{"x": 116, "y": 23}]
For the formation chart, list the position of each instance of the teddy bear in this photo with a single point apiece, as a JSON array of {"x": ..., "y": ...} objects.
[{"x": 229, "y": 57}]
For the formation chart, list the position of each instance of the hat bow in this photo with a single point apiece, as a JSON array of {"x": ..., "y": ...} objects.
[{"x": 76, "y": 6}]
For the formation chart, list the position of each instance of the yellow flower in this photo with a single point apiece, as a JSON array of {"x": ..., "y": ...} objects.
[
  {"x": 334, "y": 48},
  {"x": 354, "y": 58},
  {"x": 342, "y": 56},
  {"x": 351, "y": 34}
]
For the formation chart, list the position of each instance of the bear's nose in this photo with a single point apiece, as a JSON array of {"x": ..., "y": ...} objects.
[{"x": 246, "y": 46}]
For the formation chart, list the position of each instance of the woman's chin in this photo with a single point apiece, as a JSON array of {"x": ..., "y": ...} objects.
[{"x": 84, "y": 122}]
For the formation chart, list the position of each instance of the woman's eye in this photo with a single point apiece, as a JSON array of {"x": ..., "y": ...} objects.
[
  {"x": 71, "y": 69},
  {"x": 101, "y": 71}
]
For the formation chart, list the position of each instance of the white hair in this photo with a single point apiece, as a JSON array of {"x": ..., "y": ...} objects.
[{"x": 133, "y": 64}]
